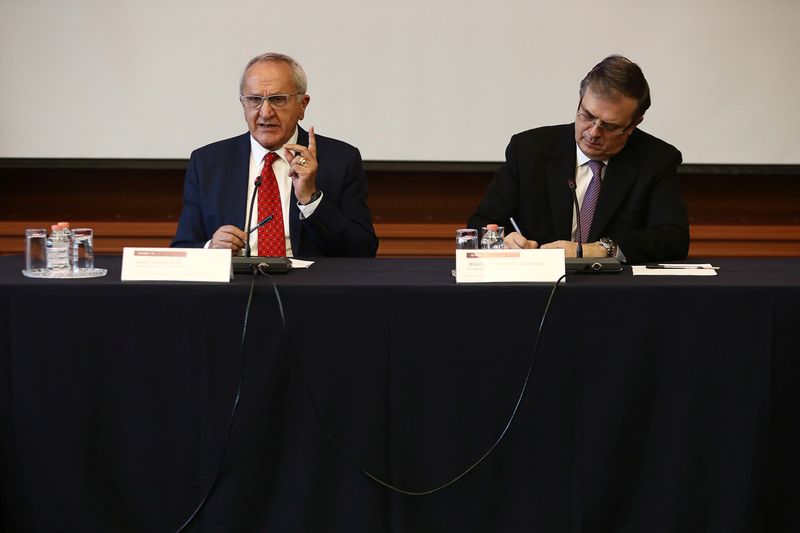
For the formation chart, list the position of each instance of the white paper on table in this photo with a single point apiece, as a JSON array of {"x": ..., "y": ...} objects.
[
  {"x": 672, "y": 269},
  {"x": 299, "y": 263}
]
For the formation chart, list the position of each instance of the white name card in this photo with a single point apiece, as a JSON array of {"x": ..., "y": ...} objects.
[
  {"x": 176, "y": 264},
  {"x": 509, "y": 266}
]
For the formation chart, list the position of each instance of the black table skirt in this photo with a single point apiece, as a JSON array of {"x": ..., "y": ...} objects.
[{"x": 656, "y": 404}]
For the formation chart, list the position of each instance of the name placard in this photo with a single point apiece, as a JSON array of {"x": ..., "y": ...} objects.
[
  {"x": 176, "y": 264},
  {"x": 509, "y": 266}
]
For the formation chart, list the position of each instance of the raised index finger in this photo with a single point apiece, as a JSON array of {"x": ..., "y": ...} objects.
[{"x": 312, "y": 142}]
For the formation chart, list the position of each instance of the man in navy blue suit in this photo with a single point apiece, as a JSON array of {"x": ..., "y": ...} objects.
[{"x": 321, "y": 181}]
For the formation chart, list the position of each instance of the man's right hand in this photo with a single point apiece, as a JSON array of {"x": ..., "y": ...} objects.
[
  {"x": 516, "y": 240},
  {"x": 229, "y": 237}
]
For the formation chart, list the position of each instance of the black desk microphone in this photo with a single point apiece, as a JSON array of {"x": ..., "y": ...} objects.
[
  {"x": 578, "y": 232},
  {"x": 257, "y": 184}
]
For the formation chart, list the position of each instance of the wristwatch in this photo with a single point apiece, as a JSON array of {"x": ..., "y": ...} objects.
[
  {"x": 610, "y": 246},
  {"x": 314, "y": 197}
]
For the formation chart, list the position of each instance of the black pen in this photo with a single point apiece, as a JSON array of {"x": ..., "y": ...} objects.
[
  {"x": 266, "y": 219},
  {"x": 683, "y": 267}
]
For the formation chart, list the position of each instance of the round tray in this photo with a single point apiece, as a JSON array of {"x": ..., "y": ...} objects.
[{"x": 67, "y": 274}]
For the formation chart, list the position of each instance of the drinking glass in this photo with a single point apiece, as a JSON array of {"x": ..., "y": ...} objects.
[
  {"x": 466, "y": 239},
  {"x": 36, "y": 249},
  {"x": 82, "y": 256}
]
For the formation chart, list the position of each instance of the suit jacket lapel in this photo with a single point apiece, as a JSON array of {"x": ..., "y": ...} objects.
[
  {"x": 618, "y": 178},
  {"x": 560, "y": 169}
]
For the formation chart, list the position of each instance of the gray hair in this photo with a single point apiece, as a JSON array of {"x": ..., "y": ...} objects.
[
  {"x": 298, "y": 74},
  {"x": 617, "y": 76}
]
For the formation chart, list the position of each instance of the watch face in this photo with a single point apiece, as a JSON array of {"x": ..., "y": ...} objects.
[{"x": 314, "y": 196}]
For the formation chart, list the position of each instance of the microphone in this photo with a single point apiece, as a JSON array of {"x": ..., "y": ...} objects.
[
  {"x": 257, "y": 184},
  {"x": 578, "y": 232}
]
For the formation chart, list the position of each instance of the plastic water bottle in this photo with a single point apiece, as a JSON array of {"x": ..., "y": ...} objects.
[
  {"x": 70, "y": 246},
  {"x": 58, "y": 250},
  {"x": 492, "y": 238}
]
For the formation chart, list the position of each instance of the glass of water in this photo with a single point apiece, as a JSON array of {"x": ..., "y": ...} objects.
[
  {"x": 82, "y": 256},
  {"x": 36, "y": 250},
  {"x": 466, "y": 239}
]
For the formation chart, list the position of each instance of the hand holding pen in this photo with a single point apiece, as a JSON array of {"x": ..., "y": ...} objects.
[
  {"x": 517, "y": 239},
  {"x": 233, "y": 238}
]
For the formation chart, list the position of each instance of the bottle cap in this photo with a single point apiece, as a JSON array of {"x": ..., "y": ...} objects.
[
  {"x": 55, "y": 227},
  {"x": 491, "y": 227},
  {"x": 64, "y": 225}
]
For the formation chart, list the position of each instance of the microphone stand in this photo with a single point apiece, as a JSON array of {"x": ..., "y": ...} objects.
[
  {"x": 250, "y": 216},
  {"x": 274, "y": 265},
  {"x": 579, "y": 234}
]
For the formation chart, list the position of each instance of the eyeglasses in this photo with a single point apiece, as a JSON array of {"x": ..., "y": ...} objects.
[
  {"x": 275, "y": 101},
  {"x": 610, "y": 128}
]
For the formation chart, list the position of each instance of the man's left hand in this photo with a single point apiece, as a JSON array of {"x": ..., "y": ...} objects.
[{"x": 304, "y": 167}]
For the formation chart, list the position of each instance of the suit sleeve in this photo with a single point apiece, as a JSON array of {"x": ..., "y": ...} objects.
[
  {"x": 665, "y": 233},
  {"x": 341, "y": 226},
  {"x": 191, "y": 231}
]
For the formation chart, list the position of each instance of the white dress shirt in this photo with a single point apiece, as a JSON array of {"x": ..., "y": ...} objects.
[{"x": 281, "y": 168}]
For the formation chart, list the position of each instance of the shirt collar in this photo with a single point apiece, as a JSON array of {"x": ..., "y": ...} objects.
[
  {"x": 259, "y": 151},
  {"x": 582, "y": 158}
]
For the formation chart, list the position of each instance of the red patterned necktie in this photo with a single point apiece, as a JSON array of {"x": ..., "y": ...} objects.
[
  {"x": 590, "y": 199},
  {"x": 271, "y": 239}
]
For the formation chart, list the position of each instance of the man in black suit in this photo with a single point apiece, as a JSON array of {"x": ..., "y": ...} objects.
[
  {"x": 638, "y": 212},
  {"x": 319, "y": 205}
]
